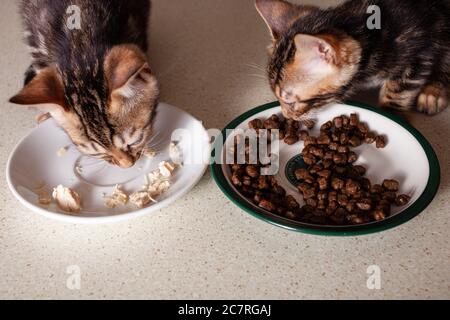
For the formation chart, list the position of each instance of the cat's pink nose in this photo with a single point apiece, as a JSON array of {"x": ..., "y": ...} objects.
[
  {"x": 122, "y": 159},
  {"x": 125, "y": 163}
]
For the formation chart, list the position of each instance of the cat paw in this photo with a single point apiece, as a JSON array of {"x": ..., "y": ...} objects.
[{"x": 433, "y": 99}]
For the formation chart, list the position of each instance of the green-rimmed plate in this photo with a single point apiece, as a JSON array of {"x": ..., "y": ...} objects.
[{"x": 408, "y": 158}]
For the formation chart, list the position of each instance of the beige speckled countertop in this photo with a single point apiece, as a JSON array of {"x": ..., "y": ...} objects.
[{"x": 203, "y": 246}]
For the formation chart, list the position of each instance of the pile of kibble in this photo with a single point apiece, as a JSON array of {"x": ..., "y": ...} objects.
[{"x": 336, "y": 191}]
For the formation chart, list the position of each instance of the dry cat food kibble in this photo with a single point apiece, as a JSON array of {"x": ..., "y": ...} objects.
[
  {"x": 264, "y": 191},
  {"x": 335, "y": 190}
]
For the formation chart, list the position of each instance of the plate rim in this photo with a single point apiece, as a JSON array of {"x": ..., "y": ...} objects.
[
  {"x": 101, "y": 219},
  {"x": 411, "y": 212}
]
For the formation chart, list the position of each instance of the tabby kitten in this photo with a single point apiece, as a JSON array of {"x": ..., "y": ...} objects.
[
  {"x": 321, "y": 56},
  {"x": 94, "y": 81}
]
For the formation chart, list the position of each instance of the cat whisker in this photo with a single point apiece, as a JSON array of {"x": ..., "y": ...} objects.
[
  {"x": 94, "y": 164},
  {"x": 310, "y": 113},
  {"x": 156, "y": 146},
  {"x": 98, "y": 162},
  {"x": 155, "y": 140},
  {"x": 102, "y": 168},
  {"x": 255, "y": 66},
  {"x": 258, "y": 77},
  {"x": 154, "y": 136}
]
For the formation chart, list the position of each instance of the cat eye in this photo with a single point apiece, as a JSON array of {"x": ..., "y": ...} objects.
[
  {"x": 291, "y": 104},
  {"x": 138, "y": 142}
]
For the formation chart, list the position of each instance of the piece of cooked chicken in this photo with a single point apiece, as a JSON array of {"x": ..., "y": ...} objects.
[{"x": 67, "y": 199}]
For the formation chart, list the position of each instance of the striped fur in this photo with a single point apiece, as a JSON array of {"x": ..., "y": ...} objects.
[
  {"x": 321, "y": 56},
  {"x": 96, "y": 81}
]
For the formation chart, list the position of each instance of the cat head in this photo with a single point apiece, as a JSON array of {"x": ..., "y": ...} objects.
[
  {"x": 107, "y": 111},
  {"x": 306, "y": 71}
]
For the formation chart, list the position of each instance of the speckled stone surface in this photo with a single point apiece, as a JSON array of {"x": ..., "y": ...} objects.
[{"x": 203, "y": 246}]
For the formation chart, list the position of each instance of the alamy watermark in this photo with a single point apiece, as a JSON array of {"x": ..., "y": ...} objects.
[
  {"x": 374, "y": 21},
  {"x": 73, "y": 281},
  {"x": 374, "y": 277},
  {"x": 238, "y": 146},
  {"x": 74, "y": 17}
]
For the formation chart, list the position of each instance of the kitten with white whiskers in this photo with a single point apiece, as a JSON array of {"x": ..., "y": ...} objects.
[
  {"x": 95, "y": 82},
  {"x": 320, "y": 56}
]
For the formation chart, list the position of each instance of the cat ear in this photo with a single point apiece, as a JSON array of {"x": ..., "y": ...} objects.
[
  {"x": 127, "y": 72},
  {"x": 279, "y": 15},
  {"x": 139, "y": 81},
  {"x": 46, "y": 88},
  {"x": 314, "y": 49}
]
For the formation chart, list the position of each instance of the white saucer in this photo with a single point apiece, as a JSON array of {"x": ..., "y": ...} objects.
[{"x": 35, "y": 163}]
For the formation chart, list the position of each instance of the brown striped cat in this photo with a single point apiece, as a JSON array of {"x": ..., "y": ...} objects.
[
  {"x": 95, "y": 81},
  {"x": 321, "y": 56}
]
